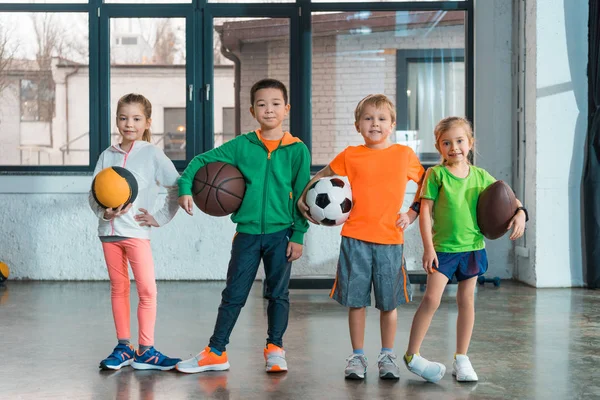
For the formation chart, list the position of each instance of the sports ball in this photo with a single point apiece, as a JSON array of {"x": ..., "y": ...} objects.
[
  {"x": 330, "y": 200},
  {"x": 218, "y": 189},
  {"x": 4, "y": 272},
  {"x": 114, "y": 186},
  {"x": 495, "y": 208}
]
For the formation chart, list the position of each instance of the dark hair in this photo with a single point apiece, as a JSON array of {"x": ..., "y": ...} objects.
[
  {"x": 268, "y": 84},
  {"x": 134, "y": 98}
]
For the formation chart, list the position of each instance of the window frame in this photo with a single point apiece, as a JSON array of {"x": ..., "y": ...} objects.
[{"x": 200, "y": 112}]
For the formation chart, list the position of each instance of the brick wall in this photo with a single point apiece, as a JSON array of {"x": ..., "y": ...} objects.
[{"x": 345, "y": 69}]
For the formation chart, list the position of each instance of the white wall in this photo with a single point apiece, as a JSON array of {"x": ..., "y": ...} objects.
[
  {"x": 49, "y": 232},
  {"x": 558, "y": 139}
]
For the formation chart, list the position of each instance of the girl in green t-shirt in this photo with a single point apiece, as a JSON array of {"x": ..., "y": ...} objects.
[{"x": 453, "y": 245}]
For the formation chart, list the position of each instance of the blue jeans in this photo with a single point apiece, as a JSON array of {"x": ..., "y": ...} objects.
[{"x": 246, "y": 252}]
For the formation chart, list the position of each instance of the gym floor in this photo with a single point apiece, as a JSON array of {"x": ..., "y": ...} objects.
[{"x": 527, "y": 344}]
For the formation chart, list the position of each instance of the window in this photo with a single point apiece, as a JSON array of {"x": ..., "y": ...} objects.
[
  {"x": 249, "y": 49},
  {"x": 152, "y": 63},
  {"x": 359, "y": 53},
  {"x": 431, "y": 86},
  {"x": 64, "y": 64},
  {"x": 44, "y": 81}
]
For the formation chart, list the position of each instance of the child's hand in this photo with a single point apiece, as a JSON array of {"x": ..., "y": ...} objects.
[
  {"x": 146, "y": 218},
  {"x": 404, "y": 220},
  {"x": 518, "y": 224},
  {"x": 304, "y": 209},
  {"x": 187, "y": 203},
  {"x": 430, "y": 261},
  {"x": 294, "y": 251},
  {"x": 111, "y": 213}
]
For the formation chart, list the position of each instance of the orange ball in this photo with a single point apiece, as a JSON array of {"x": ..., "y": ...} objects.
[
  {"x": 4, "y": 272},
  {"x": 114, "y": 186}
]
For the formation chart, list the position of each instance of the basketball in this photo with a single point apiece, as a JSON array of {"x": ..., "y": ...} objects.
[
  {"x": 218, "y": 189},
  {"x": 114, "y": 186},
  {"x": 495, "y": 208},
  {"x": 4, "y": 272}
]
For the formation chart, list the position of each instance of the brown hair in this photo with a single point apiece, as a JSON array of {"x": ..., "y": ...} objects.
[
  {"x": 448, "y": 123},
  {"x": 376, "y": 100},
  {"x": 134, "y": 98},
  {"x": 268, "y": 84}
]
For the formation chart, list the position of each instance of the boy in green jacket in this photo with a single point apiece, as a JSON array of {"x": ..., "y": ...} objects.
[{"x": 276, "y": 167}]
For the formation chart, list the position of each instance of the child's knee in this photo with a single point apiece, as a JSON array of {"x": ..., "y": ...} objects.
[
  {"x": 119, "y": 288},
  {"x": 431, "y": 302}
]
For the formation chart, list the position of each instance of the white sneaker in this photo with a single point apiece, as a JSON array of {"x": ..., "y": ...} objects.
[
  {"x": 463, "y": 370},
  {"x": 428, "y": 370}
]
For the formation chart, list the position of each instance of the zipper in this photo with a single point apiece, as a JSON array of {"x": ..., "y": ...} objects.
[
  {"x": 112, "y": 223},
  {"x": 264, "y": 210}
]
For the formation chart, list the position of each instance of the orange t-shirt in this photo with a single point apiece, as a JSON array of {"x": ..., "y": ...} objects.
[
  {"x": 378, "y": 180},
  {"x": 269, "y": 144}
]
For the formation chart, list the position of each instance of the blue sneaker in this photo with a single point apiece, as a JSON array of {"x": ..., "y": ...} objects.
[
  {"x": 153, "y": 359},
  {"x": 121, "y": 356}
]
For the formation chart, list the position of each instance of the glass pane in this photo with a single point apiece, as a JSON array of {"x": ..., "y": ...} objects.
[
  {"x": 375, "y": 1},
  {"x": 44, "y": 89},
  {"x": 147, "y": 1},
  {"x": 148, "y": 57},
  {"x": 436, "y": 88},
  {"x": 248, "y": 50},
  {"x": 251, "y": 1},
  {"x": 360, "y": 53},
  {"x": 42, "y": 1}
]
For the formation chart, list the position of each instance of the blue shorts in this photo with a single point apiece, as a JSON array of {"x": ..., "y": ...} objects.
[{"x": 464, "y": 265}]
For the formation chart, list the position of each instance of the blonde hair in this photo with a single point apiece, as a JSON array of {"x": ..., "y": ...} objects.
[
  {"x": 134, "y": 98},
  {"x": 448, "y": 123},
  {"x": 377, "y": 101}
]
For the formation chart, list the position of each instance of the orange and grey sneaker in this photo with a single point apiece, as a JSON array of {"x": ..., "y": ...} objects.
[
  {"x": 206, "y": 360},
  {"x": 275, "y": 358}
]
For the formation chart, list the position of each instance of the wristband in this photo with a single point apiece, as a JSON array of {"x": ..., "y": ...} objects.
[
  {"x": 525, "y": 211},
  {"x": 416, "y": 207}
]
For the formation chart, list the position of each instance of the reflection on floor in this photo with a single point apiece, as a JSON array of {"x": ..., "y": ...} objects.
[{"x": 527, "y": 344}]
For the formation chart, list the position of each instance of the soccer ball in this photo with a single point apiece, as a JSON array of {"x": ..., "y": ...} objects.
[{"x": 330, "y": 200}]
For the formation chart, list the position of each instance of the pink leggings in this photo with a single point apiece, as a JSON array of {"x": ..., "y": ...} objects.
[{"x": 139, "y": 255}]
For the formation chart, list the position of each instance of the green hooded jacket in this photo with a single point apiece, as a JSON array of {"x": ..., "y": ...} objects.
[{"x": 274, "y": 182}]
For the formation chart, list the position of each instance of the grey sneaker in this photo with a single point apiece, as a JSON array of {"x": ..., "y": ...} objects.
[
  {"x": 275, "y": 359},
  {"x": 388, "y": 369},
  {"x": 356, "y": 368}
]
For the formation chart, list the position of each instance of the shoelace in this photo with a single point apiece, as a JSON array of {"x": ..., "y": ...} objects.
[
  {"x": 356, "y": 360},
  {"x": 387, "y": 358}
]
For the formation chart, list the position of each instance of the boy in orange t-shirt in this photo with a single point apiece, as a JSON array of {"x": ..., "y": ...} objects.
[{"x": 371, "y": 252}]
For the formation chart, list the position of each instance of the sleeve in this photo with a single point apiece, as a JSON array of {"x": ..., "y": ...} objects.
[
  {"x": 338, "y": 164},
  {"x": 96, "y": 208},
  {"x": 487, "y": 178},
  {"x": 415, "y": 169},
  {"x": 166, "y": 176},
  {"x": 224, "y": 153},
  {"x": 299, "y": 182},
  {"x": 431, "y": 185}
]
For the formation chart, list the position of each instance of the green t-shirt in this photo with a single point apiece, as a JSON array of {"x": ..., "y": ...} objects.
[{"x": 455, "y": 226}]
